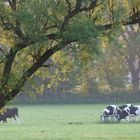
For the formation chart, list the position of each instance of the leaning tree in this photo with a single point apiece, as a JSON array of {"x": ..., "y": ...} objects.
[{"x": 33, "y": 30}]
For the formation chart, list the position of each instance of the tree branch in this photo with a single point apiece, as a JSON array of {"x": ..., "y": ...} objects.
[
  {"x": 2, "y": 51},
  {"x": 78, "y": 4},
  {"x": 29, "y": 72},
  {"x": 9, "y": 61},
  {"x": 69, "y": 5},
  {"x": 78, "y": 9}
]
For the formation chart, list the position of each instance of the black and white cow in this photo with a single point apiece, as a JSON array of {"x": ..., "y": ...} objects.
[
  {"x": 128, "y": 112},
  {"x": 111, "y": 112},
  {"x": 125, "y": 105},
  {"x": 10, "y": 113}
]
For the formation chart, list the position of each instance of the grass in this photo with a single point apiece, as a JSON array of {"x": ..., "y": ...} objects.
[{"x": 66, "y": 122}]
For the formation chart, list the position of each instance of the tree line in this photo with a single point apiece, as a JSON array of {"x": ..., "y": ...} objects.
[{"x": 33, "y": 33}]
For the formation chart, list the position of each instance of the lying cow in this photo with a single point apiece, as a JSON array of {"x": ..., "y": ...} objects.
[
  {"x": 128, "y": 112},
  {"x": 10, "y": 113},
  {"x": 111, "y": 112}
]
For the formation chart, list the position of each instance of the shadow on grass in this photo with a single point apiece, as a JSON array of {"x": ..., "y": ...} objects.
[
  {"x": 78, "y": 123},
  {"x": 88, "y": 123},
  {"x": 98, "y": 122},
  {"x": 121, "y": 122}
]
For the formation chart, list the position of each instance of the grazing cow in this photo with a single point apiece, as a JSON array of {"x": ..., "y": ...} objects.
[
  {"x": 131, "y": 111},
  {"x": 111, "y": 112},
  {"x": 10, "y": 113},
  {"x": 121, "y": 108},
  {"x": 124, "y": 106}
]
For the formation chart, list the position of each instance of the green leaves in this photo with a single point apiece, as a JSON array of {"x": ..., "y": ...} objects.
[{"x": 80, "y": 29}]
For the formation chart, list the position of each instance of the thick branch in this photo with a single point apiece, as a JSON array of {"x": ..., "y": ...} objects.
[
  {"x": 29, "y": 72},
  {"x": 9, "y": 61},
  {"x": 132, "y": 20},
  {"x": 78, "y": 4}
]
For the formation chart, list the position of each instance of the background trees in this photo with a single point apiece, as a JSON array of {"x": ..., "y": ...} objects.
[{"x": 33, "y": 31}]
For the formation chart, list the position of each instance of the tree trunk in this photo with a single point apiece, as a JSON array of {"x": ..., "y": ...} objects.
[
  {"x": 2, "y": 100},
  {"x": 6, "y": 95}
]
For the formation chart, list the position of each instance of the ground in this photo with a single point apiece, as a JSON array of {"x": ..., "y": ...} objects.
[{"x": 66, "y": 122}]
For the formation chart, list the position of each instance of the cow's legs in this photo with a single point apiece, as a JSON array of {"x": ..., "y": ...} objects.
[
  {"x": 5, "y": 121},
  {"x": 128, "y": 119},
  {"x": 138, "y": 118},
  {"x": 18, "y": 120},
  {"x": 115, "y": 119},
  {"x": 14, "y": 119}
]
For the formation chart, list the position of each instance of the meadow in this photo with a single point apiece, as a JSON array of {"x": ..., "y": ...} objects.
[{"x": 66, "y": 122}]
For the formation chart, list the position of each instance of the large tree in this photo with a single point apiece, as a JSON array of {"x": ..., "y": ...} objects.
[{"x": 35, "y": 30}]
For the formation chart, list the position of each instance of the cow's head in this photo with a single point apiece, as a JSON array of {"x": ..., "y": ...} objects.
[
  {"x": 125, "y": 112},
  {"x": 118, "y": 113},
  {"x": 2, "y": 117}
]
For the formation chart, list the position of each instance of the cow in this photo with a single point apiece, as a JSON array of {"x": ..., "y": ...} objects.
[
  {"x": 10, "y": 113},
  {"x": 128, "y": 112},
  {"x": 111, "y": 112},
  {"x": 124, "y": 106}
]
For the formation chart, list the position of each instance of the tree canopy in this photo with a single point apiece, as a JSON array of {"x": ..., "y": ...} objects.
[{"x": 33, "y": 33}]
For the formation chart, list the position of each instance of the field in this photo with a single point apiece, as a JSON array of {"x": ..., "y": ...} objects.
[{"x": 66, "y": 122}]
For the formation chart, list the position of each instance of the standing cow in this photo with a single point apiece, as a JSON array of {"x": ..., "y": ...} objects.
[
  {"x": 128, "y": 112},
  {"x": 10, "y": 113},
  {"x": 111, "y": 112}
]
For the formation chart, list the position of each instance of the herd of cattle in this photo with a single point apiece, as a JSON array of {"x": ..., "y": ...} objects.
[
  {"x": 110, "y": 113},
  {"x": 129, "y": 112},
  {"x": 9, "y": 113}
]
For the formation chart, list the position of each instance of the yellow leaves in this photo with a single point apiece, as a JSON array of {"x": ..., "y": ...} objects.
[
  {"x": 59, "y": 57},
  {"x": 2, "y": 111},
  {"x": 43, "y": 73},
  {"x": 136, "y": 3},
  {"x": 49, "y": 85},
  {"x": 64, "y": 65},
  {"x": 84, "y": 56},
  {"x": 35, "y": 89},
  {"x": 129, "y": 4},
  {"x": 84, "y": 87},
  {"x": 7, "y": 39},
  {"x": 40, "y": 89}
]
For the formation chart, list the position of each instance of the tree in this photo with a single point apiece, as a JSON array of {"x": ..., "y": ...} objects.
[
  {"x": 131, "y": 39},
  {"x": 37, "y": 29}
]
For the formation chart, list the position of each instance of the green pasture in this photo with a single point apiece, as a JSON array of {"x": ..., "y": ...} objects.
[{"x": 66, "y": 122}]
